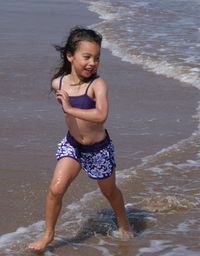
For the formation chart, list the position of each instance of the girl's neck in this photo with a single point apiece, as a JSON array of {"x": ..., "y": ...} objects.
[{"x": 75, "y": 80}]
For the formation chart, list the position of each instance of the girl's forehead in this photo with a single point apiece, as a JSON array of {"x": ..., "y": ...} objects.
[{"x": 88, "y": 45}]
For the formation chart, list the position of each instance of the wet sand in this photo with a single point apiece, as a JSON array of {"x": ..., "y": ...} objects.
[{"x": 32, "y": 122}]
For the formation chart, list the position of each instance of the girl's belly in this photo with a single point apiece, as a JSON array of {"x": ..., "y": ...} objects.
[{"x": 85, "y": 132}]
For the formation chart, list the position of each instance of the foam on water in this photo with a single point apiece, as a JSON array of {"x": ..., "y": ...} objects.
[
  {"x": 155, "y": 246},
  {"x": 132, "y": 31},
  {"x": 167, "y": 203},
  {"x": 181, "y": 250},
  {"x": 160, "y": 246},
  {"x": 15, "y": 243},
  {"x": 78, "y": 222}
]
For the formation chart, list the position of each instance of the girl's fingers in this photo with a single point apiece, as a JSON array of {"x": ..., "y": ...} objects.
[
  {"x": 59, "y": 101},
  {"x": 62, "y": 95}
]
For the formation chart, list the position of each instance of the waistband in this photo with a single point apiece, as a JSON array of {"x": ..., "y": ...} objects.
[{"x": 90, "y": 147}]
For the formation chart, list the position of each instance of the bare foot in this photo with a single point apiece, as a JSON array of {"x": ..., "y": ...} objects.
[
  {"x": 123, "y": 234},
  {"x": 41, "y": 244}
]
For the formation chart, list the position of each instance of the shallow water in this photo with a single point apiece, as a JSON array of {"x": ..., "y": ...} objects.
[
  {"x": 161, "y": 188},
  {"x": 164, "y": 199}
]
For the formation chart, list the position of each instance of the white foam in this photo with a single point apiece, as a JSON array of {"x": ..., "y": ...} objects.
[
  {"x": 155, "y": 246},
  {"x": 157, "y": 170},
  {"x": 15, "y": 243},
  {"x": 169, "y": 203},
  {"x": 180, "y": 146},
  {"x": 102, "y": 249},
  {"x": 159, "y": 66},
  {"x": 162, "y": 64},
  {"x": 103, "y": 8},
  {"x": 164, "y": 245},
  {"x": 74, "y": 209},
  {"x": 181, "y": 250},
  {"x": 184, "y": 226}
]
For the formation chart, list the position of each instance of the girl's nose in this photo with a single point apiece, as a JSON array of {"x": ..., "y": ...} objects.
[{"x": 92, "y": 62}]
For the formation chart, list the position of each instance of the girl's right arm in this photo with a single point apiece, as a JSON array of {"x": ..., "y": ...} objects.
[{"x": 55, "y": 86}]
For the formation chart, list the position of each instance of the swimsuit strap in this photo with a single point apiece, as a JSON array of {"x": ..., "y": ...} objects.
[
  {"x": 89, "y": 85},
  {"x": 60, "y": 84}
]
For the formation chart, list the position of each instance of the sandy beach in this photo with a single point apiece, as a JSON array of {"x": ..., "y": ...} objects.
[{"x": 32, "y": 122}]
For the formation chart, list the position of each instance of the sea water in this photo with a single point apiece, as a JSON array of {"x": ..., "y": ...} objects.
[
  {"x": 161, "y": 36},
  {"x": 163, "y": 190}
]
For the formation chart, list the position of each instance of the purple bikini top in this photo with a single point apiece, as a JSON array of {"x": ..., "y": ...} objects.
[{"x": 81, "y": 101}]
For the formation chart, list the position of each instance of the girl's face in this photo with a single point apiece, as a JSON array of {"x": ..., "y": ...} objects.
[{"x": 85, "y": 60}]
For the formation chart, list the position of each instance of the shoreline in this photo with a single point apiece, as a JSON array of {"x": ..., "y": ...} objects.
[{"x": 131, "y": 107}]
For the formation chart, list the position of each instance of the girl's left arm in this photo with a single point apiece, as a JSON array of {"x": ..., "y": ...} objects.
[{"x": 98, "y": 114}]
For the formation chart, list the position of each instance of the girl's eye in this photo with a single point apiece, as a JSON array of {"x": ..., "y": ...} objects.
[{"x": 86, "y": 57}]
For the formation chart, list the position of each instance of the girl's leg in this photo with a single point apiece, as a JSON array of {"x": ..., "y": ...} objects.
[
  {"x": 65, "y": 172},
  {"x": 113, "y": 194}
]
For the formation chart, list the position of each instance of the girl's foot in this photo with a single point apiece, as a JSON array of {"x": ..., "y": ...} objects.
[
  {"x": 41, "y": 244},
  {"x": 122, "y": 234}
]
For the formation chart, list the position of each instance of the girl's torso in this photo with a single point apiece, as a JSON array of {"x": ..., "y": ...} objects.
[{"x": 83, "y": 131}]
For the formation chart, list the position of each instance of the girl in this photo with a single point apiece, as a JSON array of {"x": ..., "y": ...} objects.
[{"x": 87, "y": 145}]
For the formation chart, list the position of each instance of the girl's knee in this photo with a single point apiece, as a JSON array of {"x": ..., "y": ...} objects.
[{"x": 56, "y": 191}]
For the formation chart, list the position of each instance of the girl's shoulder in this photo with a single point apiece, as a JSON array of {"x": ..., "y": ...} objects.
[
  {"x": 99, "y": 82},
  {"x": 55, "y": 84}
]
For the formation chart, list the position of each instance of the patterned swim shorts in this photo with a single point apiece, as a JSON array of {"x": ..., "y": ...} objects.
[{"x": 97, "y": 159}]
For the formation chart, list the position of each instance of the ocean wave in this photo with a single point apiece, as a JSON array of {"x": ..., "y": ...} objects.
[
  {"x": 158, "y": 65},
  {"x": 168, "y": 203},
  {"x": 133, "y": 47}
]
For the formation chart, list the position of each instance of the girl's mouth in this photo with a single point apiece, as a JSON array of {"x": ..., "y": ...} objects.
[{"x": 89, "y": 71}]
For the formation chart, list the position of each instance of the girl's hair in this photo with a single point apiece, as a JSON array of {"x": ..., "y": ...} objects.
[{"x": 76, "y": 35}]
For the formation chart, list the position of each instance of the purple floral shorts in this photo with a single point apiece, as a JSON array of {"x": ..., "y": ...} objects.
[{"x": 97, "y": 160}]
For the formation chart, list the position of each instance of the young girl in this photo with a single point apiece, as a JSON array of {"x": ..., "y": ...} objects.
[{"x": 87, "y": 145}]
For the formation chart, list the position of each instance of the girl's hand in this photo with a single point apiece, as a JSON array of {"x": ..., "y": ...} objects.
[{"x": 63, "y": 98}]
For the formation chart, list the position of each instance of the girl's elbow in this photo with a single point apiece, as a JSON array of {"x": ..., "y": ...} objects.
[
  {"x": 101, "y": 118},
  {"x": 104, "y": 118},
  {"x": 100, "y": 115}
]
